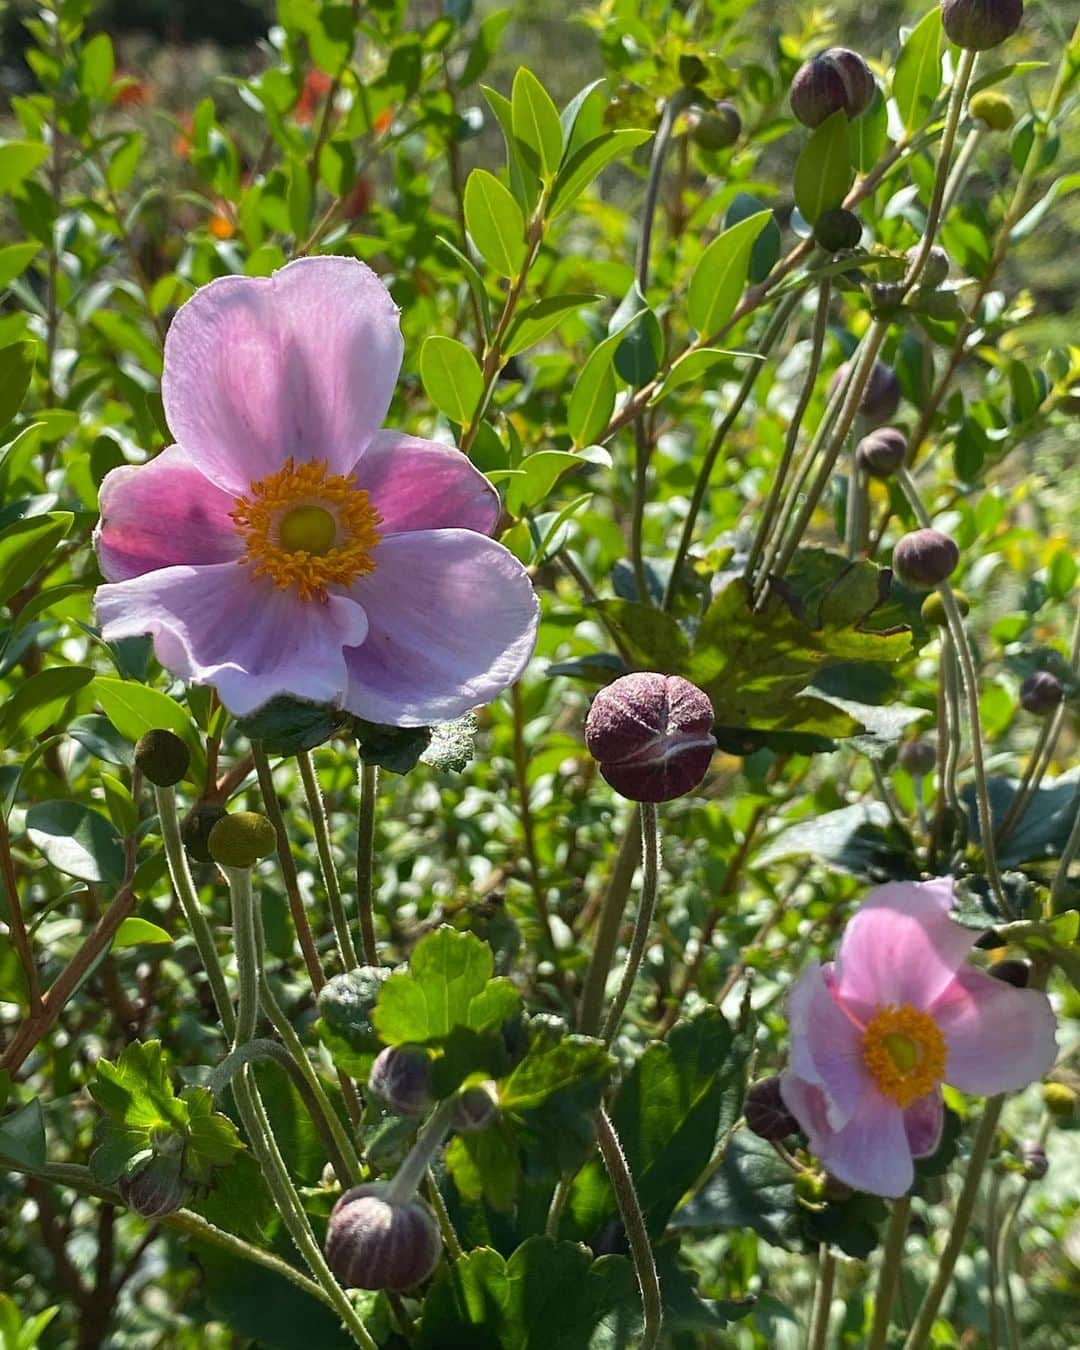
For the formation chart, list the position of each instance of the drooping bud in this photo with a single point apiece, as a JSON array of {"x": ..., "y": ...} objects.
[
  {"x": 1012, "y": 971},
  {"x": 715, "y": 128},
  {"x": 372, "y": 1243},
  {"x": 917, "y": 757},
  {"x": 765, "y": 1112},
  {"x": 241, "y": 839},
  {"x": 936, "y": 268},
  {"x": 1059, "y": 1099},
  {"x": 881, "y": 397},
  {"x": 155, "y": 1186},
  {"x": 474, "y": 1108},
  {"x": 979, "y": 25},
  {"x": 1036, "y": 1165},
  {"x": 196, "y": 826},
  {"x": 838, "y": 230},
  {"x": 651, "y": 735},
  {"x": 993, "y": 109},
  {"x": 924, "y": 559},
  {"x": 882, "y": 452},
  {"x": 162, "y": 757},
  {"x": 835, "y": 80},
  {"x": 401, "y": 1076},
  {"x": 1041, "y": 693}
]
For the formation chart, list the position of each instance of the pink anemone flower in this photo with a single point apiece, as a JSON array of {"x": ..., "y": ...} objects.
[
  {"x": 285, "y": 545},
  {"x": 876, "y": 1033}
]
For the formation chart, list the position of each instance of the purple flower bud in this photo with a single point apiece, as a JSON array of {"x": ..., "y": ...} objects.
[
  {"x": 924, "y": 559},
  {"x": 1036, "y": 1165},
  {"x": 837, "y": 230},
  {"x": 882, "y": 452},
  {"x": 651, "y": 735},
  {"x": 917, "y": 758},
  {"x": 880, "y": 398},
  {"x": 765, "y": 1112},
  {"x": 979, "y": 25},
  {"x": 1014, "y": 972},
  {"x": 1041, "y": 693},
  {"x": 156, "y": 1187},
  {"x": 834, "y": 80},
  {"x": 936, "y": 270},
  {"x": 474, "y": 1108},
  {"x": 401, "y": 1076},
  {"x": 372, "y": 1243}
]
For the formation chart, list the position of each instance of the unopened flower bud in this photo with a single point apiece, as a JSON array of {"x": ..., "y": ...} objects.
[
  {"x": 651, "y": 735},
  {"x": 881, "y": 397},
  {"x": 882, "y": 452},
  {"x": 1012, "y": 971},
  {"x": 1041, "y": 693},
  {"x": 918, "y": 757},
  {"x": 241, "y": 839},
  {"x": 692, "y": 69},
  {"x": 811, "y": 1189},
  {"x": 933, "y": 609},
  {"x": 1059, "y": 1099},
  {"x": 155, "y": 1187},
  {"x": 1036, "y": 1165},
  {"x": 474, "y": 1108},
  {"x": 372, "y": 1243},
  {"x": 401, "y": 1076},
  {"x": 994, "y": 109},
  {"x": 162, "y": 757},
  {"x": 716, "y": 128},
  {"x": 924, "y": 559},
  {"x": 886, "y": 298},
  {"x": 765, "y": 1112},
  {"x": 838, "y": 230},
  {"x": 935, "y": 269},
  {"x": 979, "y": 25},
  {"x": 195, "y": 829},
  {"x": 835, "y": 80}
]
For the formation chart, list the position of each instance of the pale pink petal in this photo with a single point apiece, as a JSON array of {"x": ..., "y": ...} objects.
[
  {"x": 900, "y": 947},
  {"x": 826, "y": 1046},
  {"x": 452, "y": 622},
  {"x": 302, "y": 363},
  {"x": 923, "y": 1121},
  {"x": 870, "y": 1153},
  {"x": 162, "y": 514},
  {"x": 421, "y": 485},
  {"x": 252, "y": 641},
  {"x": 999, "y": 1038}
]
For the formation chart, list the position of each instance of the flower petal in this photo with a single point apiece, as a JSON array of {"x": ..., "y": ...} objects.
[
  {"x": 900, "y": 947},
  {"x": 421, "y": 485},
  {"x": 924, "y": 1120},
  {"x": 219, "y": 625},
  {"x": 999, "y": 1038},
  {"x": 302, "y": 363},
  {"x": 161, "y": 514},
  {"x": 826, "y": 1046},
  {"x": 870, "y": 1153},
  {"x": 452, "y": 619}
]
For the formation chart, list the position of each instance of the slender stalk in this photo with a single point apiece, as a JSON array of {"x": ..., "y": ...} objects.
[
  {"x": 528, "y": 832},
  {"x": 960, "y": 169},
  {"x": 365, "y": 862},
  {"x": 965, "y": 1205},
  {"x": 1060, "y": 887},
  {"x": 855, "y": 514},
  {"x": 321, "y": 827},
  {"x": 992, "y": 1258},
  {"x": 405, "y": 1182},
  {"x": 558, "y": 1204},
  {"x": 20, "y": 938},
  {"x": 636, "y": 1233},
  {"x": 892, "y": 1260},
  {"x": 650, "y": 849},
  {"x": 451, "y": 1241},
  {"x": 819, "y": 1322},
  {"x": 612, "y": 908}
]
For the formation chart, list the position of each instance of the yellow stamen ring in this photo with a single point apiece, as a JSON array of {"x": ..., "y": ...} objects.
[
  {"x": 307, "y": 528},
  {"x": 905, "y": 1052}
]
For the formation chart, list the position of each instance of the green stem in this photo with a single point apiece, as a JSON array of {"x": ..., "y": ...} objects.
[
  {"x": 451, "y": 1241},
  {"x": 365, "y": 862},
  {"x": 247, "y": 953},
  {"x": 819, "y": 1322},
  {"x": 528, "y": 832},
  {"x": 637, "y": 1234},
  {"x": 650, "y": 848},
  {"x": 892, "y": 1260},
  {"x": 965, "y": 1205},
  {"x": 321, "y": 828},
  {"x": 855, "y": 522},
  {"x": 1060, "y": 887},
  {"x": 405, "y": 1182},
  {"x": 612, "y": 908},
  {"x": 558, "y": 1204}
]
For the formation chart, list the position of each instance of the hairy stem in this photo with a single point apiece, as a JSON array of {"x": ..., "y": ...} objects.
[
  {"x": 636, "y": 1233},
  {"x": 650, "y": 850},
  {"x": 321, "y": 827},
  {"x": 612, "y": 908},
  {"x": 892, "y": 1260},
  {"x": 819, "y": 1321},
  {"x": 365, "y": 862}
]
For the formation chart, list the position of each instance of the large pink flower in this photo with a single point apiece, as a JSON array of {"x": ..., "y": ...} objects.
[
  {"x": 286, "y": 544},
  {"x": 875, "y": 1034}
]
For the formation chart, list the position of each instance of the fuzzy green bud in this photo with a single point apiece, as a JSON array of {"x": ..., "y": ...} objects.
[
  {"x": 1059, "y": 1099},
  {"x": 933, "y": 609},
  {"x": 162, "y": 757},
  {"x": 241, "y": 839},
  {"x": 995, "y": 110},
  {"x": 838, "y": 230}
]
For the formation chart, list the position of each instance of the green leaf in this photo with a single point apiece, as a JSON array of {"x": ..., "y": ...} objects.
[
  {"x": 648, "y": 634},
  {"x": 536, "y": 123},
  {"x": 22, "y": 1135},
  {"x": 868, "y": 135},
  {"x": 551, "y": 1098},
  {"x": 593, "y": 398},
  {"x": 495, "y": 222},
  {"x": 448, "y": 984},
  {"x": 721, "y": 273},
  {"x": 548, "y": 1296},
  {"x": 76, "y": 841},
  {"x": 96, "y": 65},
  {"x": 135, "y": 709},
  {"x": 18, "y": 160},
  {"x": 523, "y": 184},
  {"x": 452, "y": 377},
  {"x": 917, "y": 81},
  {"x": 137, "y": 932},
  {"x": 824, "y": 171},
  {"x": 538, "y": 475},
  {"x": 587, "y": 162},
  {"x": 15, "y": 259},
  {"x": 26, "y": 545},
  {"x": 38, "y": 703},
  {"x": 641, "y": 349},
  {"x": 537, "y": 321},
  {"x": 16, "y": 368},
  {"x": 124, "y": 161},
  {"x": 692, "y": 367}
]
